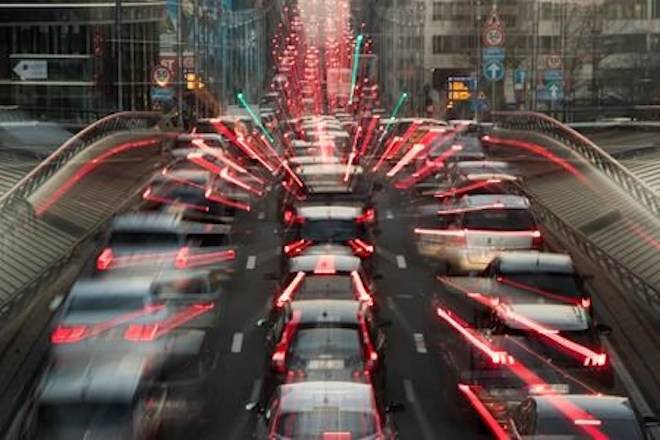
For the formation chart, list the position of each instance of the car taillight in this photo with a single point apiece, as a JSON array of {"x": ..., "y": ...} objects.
[
  {"x": 585, "y": 302},
  {"x": 368, "y": 217},
  {"x": 181, "y": 259},
  {"x": 372, "y": 359},
  {"x": 361, "y": 248},
  {"x": 289, "y": 216},
  {"x": 141, "y": 332},
  {"x": 295, "y": 248},
  {"x": 104, "y": 260},
  {"x": 537, "y": 240},
  {"x": 68, "y": 334}
]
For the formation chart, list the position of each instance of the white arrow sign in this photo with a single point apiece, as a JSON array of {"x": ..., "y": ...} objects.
[
  {"x": 32, "y": 69},
  {"x": 494, "y": 70},
  {"x": 554, "y": 91}
]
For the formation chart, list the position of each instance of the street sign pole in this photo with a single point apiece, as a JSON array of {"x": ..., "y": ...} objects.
[{"x": 120, "y": 64}]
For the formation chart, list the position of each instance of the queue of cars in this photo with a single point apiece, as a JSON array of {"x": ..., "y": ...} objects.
[
  {"x": 130, "y": 351},
  {"x": 516, "y": 328},
  {"x": 325, "y": 345}
]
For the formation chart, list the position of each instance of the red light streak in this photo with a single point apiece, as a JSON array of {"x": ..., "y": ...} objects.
[
  {"x": 180, "y": 180},
  {"x": 225, "y": 201},
  {"x": 104, "y": 260},
  {"x": 288, "y": 292},
  {"x": 278, "y": 359},
  {"x": 198, "y": 159},
  {"x": 396, "y": 140},
  {"x": 242, "y": 145},
  {"x": 544, "y": 293},
  {"x": 457, "y": 191},
  {"x": 296, "y": 247},
  {"x": 151, "y": 332},
  {"x": 199, "y": 143},
  {"x": 472, "y": 209},
  {"x": 368, "y": 217},
  {"x": 87, "y": 168},
  {"x": 362, "y": 293},
  {"x": 169, "y": 201},
  {"x": 481, "y": 409},
  {"x": 224, "y": 174},
  {"x": 496, "y": 356},
  {"x": 370, "y": 131},
  {"x": 361, "y": 248},
  {"x": 410, "y": 155}
]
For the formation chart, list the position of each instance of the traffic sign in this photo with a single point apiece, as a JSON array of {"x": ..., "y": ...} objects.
[
  {"x": 493, "y": 36},
  {"x": 162, "y": 94},
  {"x": 32, "y": 69},
  {"x": 494, "y": 70},
  {"x": 553, "y": 61},
  {"x": 493, "y": 53},
  {"x": 494, "y": 19},
  {"x": 554, "y": 90},
  {"x": 161, "y": 76},
  {"x": 553, "y": 75}
]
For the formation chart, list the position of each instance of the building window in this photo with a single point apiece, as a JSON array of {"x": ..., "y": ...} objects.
[{"x": 437, "y": 11}]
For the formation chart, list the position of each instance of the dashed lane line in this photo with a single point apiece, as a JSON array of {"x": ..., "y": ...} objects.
[
  {"x": 237, "y": 343},
  {"x": 251, "y": 262}
]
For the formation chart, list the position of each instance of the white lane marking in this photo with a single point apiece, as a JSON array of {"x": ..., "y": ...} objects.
[
  {"x": 262, "y": 215},
  {"x": 237, "y": 343},
  {"x": 256, "y": 389},
  {"x": 408, "y": 389},
  {"x": 630, "y": 385},
  {"x": 389, "y": 214},
  {"x": 401, "y": 262},
  {"x": 56, "y": 301},
  {"x": 390, "y": 303},
  {"x": 420, "y": 345},
  {"x": 251, "y": 262}
]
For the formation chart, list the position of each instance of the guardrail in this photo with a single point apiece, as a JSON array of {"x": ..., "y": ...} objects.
[
  {"x": 103, "y": 127},
  {"x": 540, "y": 123}
]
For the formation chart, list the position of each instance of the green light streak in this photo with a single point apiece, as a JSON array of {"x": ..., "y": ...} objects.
[
  {"x": 356, "y": 63},
  {"x": 395, "y": 112},
  {"x": 255, "y": 118}
]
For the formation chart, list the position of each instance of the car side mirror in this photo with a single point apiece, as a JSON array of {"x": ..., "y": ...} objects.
[
  {"x": 254, "y": 408},
  {"x": 263, "y": 322},
  {"x": 394, "y": 407},
  {"x": 604, "y": 329},
  {"x": 650, "y": 421}
]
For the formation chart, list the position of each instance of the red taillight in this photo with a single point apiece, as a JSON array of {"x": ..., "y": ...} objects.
[
  {"x": 289, "y": 216},
  {"x": 296, "y": 247},
  {"x": 368, "y": 217},
  {"x": 585, "y": 302},
  {"x": 181, "y": 259},
  {"x": 537, "y": 240},
  {"x": 68, "y": 334},
  {"x": 141, "y": 333},
  {"x": 278, "y": 360},
  {"x": 361, "y": 248},
  {"x": 104, "y": 260}
]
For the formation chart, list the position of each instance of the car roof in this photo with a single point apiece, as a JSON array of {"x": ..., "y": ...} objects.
[
  {"x": 531, "y": 261},
  {"x": 320, "y": 169},
  {"x": 599, "y": 406},
  {"x": 313, "y": 159},
  {"x": 194, "y": 175},
  {"x": 164, "y": 222},
  {"x": 107, "y": 379},
  {"x": 329, "y": 212},
  {"x": 562, "y": 317},
  {"x": 111, "y": 287},
  {"x": 508, "y": 201},
  {"x": 327, "y": 310},
  {"x": 311, "y": 396},
  {"x": 339, "y": 263}
]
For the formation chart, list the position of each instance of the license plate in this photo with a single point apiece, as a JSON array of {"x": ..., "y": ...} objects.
[{"x": 325, "y": 364}]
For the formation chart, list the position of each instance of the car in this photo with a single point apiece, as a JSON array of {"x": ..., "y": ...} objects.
[
  {"x": 324, "y": 340},
  {"x": 325, "y": 272},
  {"x": 333, "y": 224},
  {"x": 476, "y": 228},
  {"x": 463, "y": 148},
  {"x": 576, "y": 416},
  {"x": 139, "y": 240},
  {"x": 470, "y": 178},
  {"x": 328, "y": 411},
  {"x": 551, "y": 276},
  {"x": 105, "y": 398}
]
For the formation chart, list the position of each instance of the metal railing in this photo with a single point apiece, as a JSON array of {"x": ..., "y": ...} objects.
[
  {"x": 113, "y": 123},
  {"x": 540, "y": 123}
]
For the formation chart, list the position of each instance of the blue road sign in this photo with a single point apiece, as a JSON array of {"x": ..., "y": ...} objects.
[
  {"x": 493, "y": 53},
  {"x": 163, "y": 94},
  {"x": 554, "y": 90},
  {"x": 494, "y": 70},
  {"x": 553, "y": 75},
  {"x": 479, "y": 105}
]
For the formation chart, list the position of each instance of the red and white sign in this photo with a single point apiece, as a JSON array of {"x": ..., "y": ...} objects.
[
  {"x": 553, "y": 61},
  {"x": 493, "y": 36},
  {"x": 161, "y": 76}
]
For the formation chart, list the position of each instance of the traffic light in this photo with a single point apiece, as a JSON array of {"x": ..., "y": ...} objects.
[{"x": 193, "y": 82}]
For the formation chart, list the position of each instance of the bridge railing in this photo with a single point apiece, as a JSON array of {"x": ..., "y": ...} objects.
[
  {"x": 540, "y": 123},
  {"x": 113, "y": 123}
]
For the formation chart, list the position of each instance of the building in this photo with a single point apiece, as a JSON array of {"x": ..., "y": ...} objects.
[{"x": 76, "y": 61}]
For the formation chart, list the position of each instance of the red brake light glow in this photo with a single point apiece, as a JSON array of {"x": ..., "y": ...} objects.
[
  {"x": 481, "y": 409},
  {"x": 278, "y": 359},
  {"x": 69, "y": 334},
  {"x": 288, "y": 292},
  {"x": 360, "y": 248},
  {"x": 325, "y": 265},
  {"x": 368, "y": 217},
  {"x": 295, "y": 248},
  {"x": 360, "y": 290},
  {"x": 104, "y": 260}
]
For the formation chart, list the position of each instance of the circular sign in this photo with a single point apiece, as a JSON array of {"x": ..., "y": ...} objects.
[
  {"x": 493, "y": 36},
  {"x": 161, "y": 76},
  {"x": 553, "y": 61}
]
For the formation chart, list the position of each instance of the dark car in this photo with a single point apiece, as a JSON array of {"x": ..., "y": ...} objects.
[{"x": 329, "y": 340}]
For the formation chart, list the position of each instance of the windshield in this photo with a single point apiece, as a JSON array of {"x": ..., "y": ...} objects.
[
  {"x": 321, "y": 348},
  {"x": 499, "y": 220},
  {"x": 326, "y": 287},
  {"x": 312, "y": 424},
  {"x": 146, "y": 239},
  {"x": 329, "y": 230},
  {"x": 564, "y": 285},
  {"x": 108, "y": 303}
]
